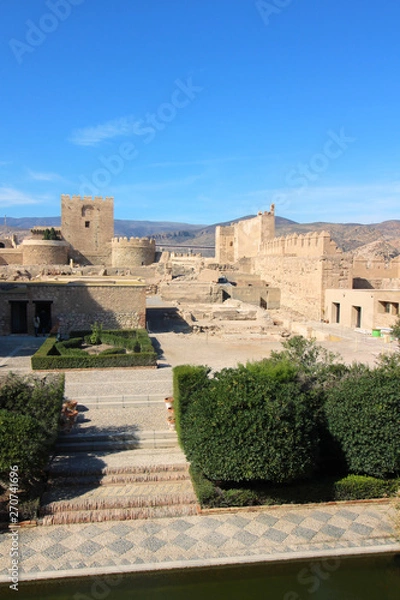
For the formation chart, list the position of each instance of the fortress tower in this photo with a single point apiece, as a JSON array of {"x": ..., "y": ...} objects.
[
  {"x": 87, "y": 224},
  {"x": 133, "y": 252},
  {"x": 244, "y": 239}
]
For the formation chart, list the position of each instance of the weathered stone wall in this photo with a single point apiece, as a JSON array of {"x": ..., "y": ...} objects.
[
  {"x": 44, "y": 252},
  {"x": 303, "y": 281},
  {"x": 77, "y": 305},
  {"x": 258, "y": 295},
  {"x": 224, "y": 237},
  {"x": 11, "y": 256},
  {"x": 378, "y": 274},
  {"x": 190, "y": 291},
  {"x": 88, "y": 226},
  {"x": 132, "y": 252}
]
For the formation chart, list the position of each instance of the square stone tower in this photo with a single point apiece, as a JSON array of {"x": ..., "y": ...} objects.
[{"x": 87, "y": 224}]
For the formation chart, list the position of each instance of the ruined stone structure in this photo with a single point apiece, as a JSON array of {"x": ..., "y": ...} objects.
[
  {"x": 132, "y": 252},
  {"x": 87, "y": 224},
  {"x": 244, "y": 239}
]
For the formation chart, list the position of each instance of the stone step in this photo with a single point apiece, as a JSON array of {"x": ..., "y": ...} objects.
[
  {"x": 127, "y": 461},
  {"x": 113, "y": 446},
  {"x": 115, "y": 436},
  {"x": 125, "y": 514},
  {"x": 115, "y": 497},
  {"x": 116, "y": 441},
  {"x": 80, "y": 479},
  {"x": 122, "y": 497}
]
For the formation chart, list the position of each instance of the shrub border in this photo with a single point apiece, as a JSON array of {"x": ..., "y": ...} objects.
[{"x": 46, "y": 359}]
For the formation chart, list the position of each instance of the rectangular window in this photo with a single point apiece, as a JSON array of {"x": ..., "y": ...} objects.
[{"x": 87, "y": 224}]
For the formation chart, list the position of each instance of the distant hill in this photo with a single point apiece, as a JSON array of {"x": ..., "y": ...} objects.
[{"x": 347, "y": 236}]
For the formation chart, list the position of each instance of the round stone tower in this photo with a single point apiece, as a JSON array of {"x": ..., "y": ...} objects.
[{"x": 132, "y": 252}]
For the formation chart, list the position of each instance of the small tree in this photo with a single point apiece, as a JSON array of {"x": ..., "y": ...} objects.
[{"x": 396, "y": 330}]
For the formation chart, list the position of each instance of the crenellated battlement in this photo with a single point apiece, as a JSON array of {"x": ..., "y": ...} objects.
[
  {"x": 78, "y": 199},
  {"x": 133, "y": 242},
  {"x": 309, "y": 245},
  {"x": 132, "y": 252}
]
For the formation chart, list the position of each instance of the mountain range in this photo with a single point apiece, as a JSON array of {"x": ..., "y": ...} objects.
[{"x": 348, "y": 236}]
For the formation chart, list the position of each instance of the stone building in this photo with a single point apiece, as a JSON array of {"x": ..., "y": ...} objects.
[
  {"x": 72, "y": 304},
  {"x": 362, "y": 309}
]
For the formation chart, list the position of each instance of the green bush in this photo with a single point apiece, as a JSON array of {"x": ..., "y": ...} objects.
[
  {"x": 29, "y": 415},
  {"x": 359, "y": 487},
  {"x": 246, "y": 424},
  {"x": 24, "y": 443},
  {"x": 41, "y": 399},
  {"x": 363, "y": 416}
]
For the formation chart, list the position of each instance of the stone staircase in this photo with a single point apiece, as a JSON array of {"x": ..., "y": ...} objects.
[{"x": 110, "y": 467}]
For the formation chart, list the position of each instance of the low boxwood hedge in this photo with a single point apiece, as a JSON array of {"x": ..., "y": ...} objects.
[{"x": 53, "y": 355}]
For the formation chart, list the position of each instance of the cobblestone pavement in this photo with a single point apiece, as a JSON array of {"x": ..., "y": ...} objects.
[{"x": 220, "y": 537}]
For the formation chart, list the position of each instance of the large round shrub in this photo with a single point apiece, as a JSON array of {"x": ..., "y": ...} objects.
[
  {"x": 250, "y": 423},
  {"x": 363, "y": 415}
]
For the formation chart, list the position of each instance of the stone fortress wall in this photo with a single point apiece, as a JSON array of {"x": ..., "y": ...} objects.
[
  {"x": 132, "y": 252},
  {"x": 44, "y": 252}
]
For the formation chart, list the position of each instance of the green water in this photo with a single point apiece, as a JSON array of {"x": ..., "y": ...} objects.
[{"x": 375, "y": 578}]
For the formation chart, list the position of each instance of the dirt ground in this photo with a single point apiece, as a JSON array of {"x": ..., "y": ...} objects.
[{"x": 226, "y": 343}]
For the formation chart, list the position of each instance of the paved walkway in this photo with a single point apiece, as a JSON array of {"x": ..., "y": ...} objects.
[{"x": 220, "y": 538}]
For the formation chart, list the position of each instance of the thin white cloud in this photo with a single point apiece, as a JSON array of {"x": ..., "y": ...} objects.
[
  {"x": 38, "y": 176},
  {"x": 4, "y": 163},
  {"x": 92, "y": 136},
  {"x": 10, "y": 196}
]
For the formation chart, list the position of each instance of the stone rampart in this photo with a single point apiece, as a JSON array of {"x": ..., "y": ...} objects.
[
  {"x": 44, "y": 252},
  {"x": 132, "y": 252},
  {"x": 309, "y": 245}
]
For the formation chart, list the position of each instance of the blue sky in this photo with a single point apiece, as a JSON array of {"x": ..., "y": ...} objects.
[{"x": 202, "y": 111}]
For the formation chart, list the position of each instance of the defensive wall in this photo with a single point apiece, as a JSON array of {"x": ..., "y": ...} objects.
[
  {"x": 311, "y": 244},
  {"x": 132, "y": 252},
  {"x": 44, "y": 252}
]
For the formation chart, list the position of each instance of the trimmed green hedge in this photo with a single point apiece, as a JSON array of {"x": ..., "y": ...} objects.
[
  {"x": 53, "y": 355},
  {"x": 363, "y": 416},
  {"x": 359, "y": 487},
  {"x": 246, "y": 424},
  {"x": 321, "y": 489}
]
